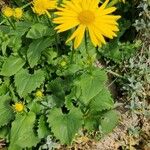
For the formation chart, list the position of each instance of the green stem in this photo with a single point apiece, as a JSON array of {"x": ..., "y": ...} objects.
[
  {"x": 114, "y": 73},
  {"x": 72, "y": 53},
  {"x": 86, "y": 44},
  {"x": 26, "y": 5},
  {"x": 59, "y": 2},
  {"x": 112, "y": 3},
  {"x": 86, "y": 48},
  {"x": 3, "y": 21},
  {"x": 56, "y": 39},
  {"x": 10, "y": 22}
]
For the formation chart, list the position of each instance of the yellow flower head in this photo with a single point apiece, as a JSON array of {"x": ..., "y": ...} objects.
[
  {"x": 39, "y": 94},
  {"x": 7, "y": 11},
  {"x": 86, "y": 15},
  {"x": 19, "y": 107},
  {"x": 41, "y": 7},
  {"x": 18, "y": 13},
  {"x": 63, "y": 63}
]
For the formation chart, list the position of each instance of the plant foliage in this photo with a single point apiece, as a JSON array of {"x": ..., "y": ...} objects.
[{"x": 59, "y": 90}]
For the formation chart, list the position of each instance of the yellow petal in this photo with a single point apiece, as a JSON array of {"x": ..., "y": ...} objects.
[
  {"x": 78, "y": 35},
  {"x": 104, "y": 5}
]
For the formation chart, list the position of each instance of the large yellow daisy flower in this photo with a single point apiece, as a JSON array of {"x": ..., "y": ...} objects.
[{"x": 86, "y": 15}]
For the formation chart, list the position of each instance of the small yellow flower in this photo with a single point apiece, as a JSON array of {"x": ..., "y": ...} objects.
[
  {"x": 41, "y": 7},
  {"x": 63, "y": 63},
  {"x": 18, "y": 13},
  {"x": 85, "y": 15},
  {"x": 39, "y": 94},
  {"x": 7, "y": 11},
  {"x": 19, "y": 107}
]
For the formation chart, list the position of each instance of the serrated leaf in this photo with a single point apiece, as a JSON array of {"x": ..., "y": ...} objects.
[
  {"x": 65, "y": 126},
  {"x": 89, "y": 85},
  {"x": 109, "y": 121},
  {"x": 6, "y": 112},
  {"x": 12, "y": 65},
  {"x": 22, "y": 134},
  {"x": 37, "y": 31},
  {"x": 42, "y": 128},
  {"x": 36, "y": 48},
  {"x": 101, "y": 101},
  {"x": 26, "y": 83}
]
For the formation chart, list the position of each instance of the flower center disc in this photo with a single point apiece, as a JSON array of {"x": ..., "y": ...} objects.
[{"x": 86, "y": 17}]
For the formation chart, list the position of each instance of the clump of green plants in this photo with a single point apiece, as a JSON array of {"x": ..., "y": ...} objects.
[
  {"x": 137, "y": 70},
  {"x": 51, "y": 88},
  {"x": 130, "y": 62},
  {"x": 142, "y": 24}
]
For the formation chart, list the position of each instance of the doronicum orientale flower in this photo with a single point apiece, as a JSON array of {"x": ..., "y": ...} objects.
[
  {"x": 63, "y": 63},
  {"x": 85, "y": 15},
  {"x": 19, "y": 107},
  {"x": 18, "y": 13},
  {"x": 41, "y": 7},
  {"x": 7, "y": 11},
  {"x": 39, "y": 94}
]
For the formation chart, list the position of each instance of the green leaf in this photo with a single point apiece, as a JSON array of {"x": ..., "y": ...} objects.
[
  {"x": 4, "y": 46},
  {"x": 89, "y": 85},
  {"x": 57, "y": 89},
  {"x": 42, "y": 128},
  {"x": 101, "y": 101},
  {"x": 12, "y": 65},
  {"x": 6, "y": 112},
  {"x": 22, "y": 134},
  {"x": 35, "y": 50},
  {"x": 37, "y": 31},
  {"x": 50, "y": 55},
  {"x": 65, "y": 126},
  {"x": 3, "y": 89},
  {"x": 21, "y": 28},
  {"x": 15, "y": 43},
  {"x": 91, "y": 123},
  {"x": 26, "y": 83},
  {"x": 109, "y": 121},
  {"x": 4, "y": 131},
  {"x": 35, "y": 107}
]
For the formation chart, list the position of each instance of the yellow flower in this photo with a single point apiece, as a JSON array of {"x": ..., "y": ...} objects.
[
  {"x": 39, "y": 94},
  {"x": 41, "y": 7},
  {"x": 18, "y": 13},
  {"x": 7, "y": 11},
  {"x": 19, "y": 107},
  {"x": 63, "y": 63},
  {"x": 86, "y": 15}
]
